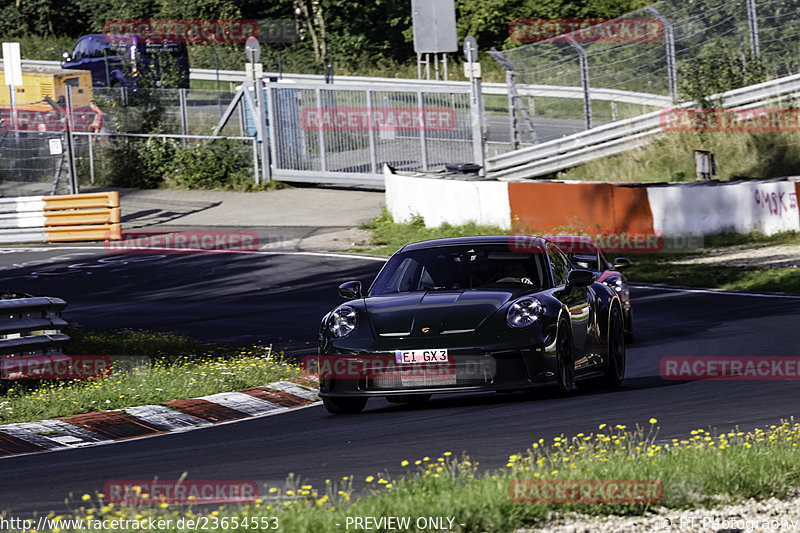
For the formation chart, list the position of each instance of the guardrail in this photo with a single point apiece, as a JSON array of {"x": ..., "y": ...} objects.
[
  {"x": 61, "y": 218},
  {"x": 617, "y": 137},
  {"x": 549, "y": 91},
  {"x": 31, "y": 325}
]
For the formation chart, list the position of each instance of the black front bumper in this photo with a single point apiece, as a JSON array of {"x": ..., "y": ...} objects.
[{"x": 466, "y": 371}]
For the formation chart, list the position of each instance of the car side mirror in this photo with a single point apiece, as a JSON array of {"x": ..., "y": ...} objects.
[
  {"x": 621, "y": 263},
  {"x": 350, "y": 290},
  {"x": 66, "y": 58},
  {"x": 580, "y": 278}
]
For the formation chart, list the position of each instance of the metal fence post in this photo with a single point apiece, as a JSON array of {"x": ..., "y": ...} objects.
[
  {"x": 323, "y": 156},
  {"x": 669, "y": 38},
  {"x": 91, "y": 159},
  {"x": 584, "y": 63},
  {"x": 242, "y": 118},
  {"x": 513, "y": 133},
  {"x": 272, "y": 121},
  {"x": 752, "y": 23},
  {"x": 423, "y": 139},
  {"x": 261, "y": 121},
  {"x": 184, "y": 114},
  {"x": 12, "y": 99},
  {"x": 475, "y": 105},
  {"x": 373, "y": 153},
  {"x": 73, "y": 177},
  {"x": 255, "y": 159}
]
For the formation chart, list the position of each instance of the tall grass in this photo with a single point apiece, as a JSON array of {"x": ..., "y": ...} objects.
[
  {"x": 176, "y": 367},
  {"x": 671, "y": 158},
  {"x": 703, "y": 469}
]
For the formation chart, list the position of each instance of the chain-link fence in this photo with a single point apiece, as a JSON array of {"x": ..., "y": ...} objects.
[
  {"x": 677, "y": 48},
  {"x": 33, "y": 163},
  {"x": 205, "y": 139},
  {"x": 123, "y": 137}
]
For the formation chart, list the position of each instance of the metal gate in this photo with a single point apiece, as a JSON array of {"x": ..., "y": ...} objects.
[{"x": 346, "y": 134}]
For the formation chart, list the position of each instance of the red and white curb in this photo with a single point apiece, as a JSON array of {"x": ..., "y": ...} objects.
[{"x": 178, "y": 415}]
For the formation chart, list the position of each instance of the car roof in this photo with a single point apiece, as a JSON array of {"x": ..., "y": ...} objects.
[
  {"x": 571, "y": 238},
  {"x": 507, "y": 240}
]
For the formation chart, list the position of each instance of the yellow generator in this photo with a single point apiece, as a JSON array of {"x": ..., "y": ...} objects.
[
  {"x": 38, "y": 82},
  {"x": 34, "y": 113}
]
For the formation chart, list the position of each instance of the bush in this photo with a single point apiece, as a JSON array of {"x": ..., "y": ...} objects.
[
  {"x": 134, "y": 162},
  {"x": 220, "y": 164}
]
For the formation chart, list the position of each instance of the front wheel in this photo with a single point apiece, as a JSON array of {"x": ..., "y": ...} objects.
[
  {"x": 344, "y": 406},
  {"x": 565, "y": 360}
]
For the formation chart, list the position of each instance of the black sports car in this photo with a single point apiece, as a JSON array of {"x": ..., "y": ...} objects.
[
  {"x": 583, "y": 252},
  {"x": 470, "y": 314}
]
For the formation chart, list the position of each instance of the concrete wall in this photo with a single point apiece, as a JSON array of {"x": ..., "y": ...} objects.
[
  {"x": 674, "y": 209},
  {"x": 453, "y": 201},
  {"x": 705, "y": 209}
]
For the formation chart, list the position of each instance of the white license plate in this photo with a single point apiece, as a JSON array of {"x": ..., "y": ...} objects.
[{"x": 421, "y": 356}]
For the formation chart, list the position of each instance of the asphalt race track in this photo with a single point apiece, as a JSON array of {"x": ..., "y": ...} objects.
[{"x": 280, "y": 298}]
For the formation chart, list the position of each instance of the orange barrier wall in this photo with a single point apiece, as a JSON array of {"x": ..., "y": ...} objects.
[
  {"x": 82, "y": 217},
  {"x": 539, "y": 207},
  {"x": 68, "y": 217}
]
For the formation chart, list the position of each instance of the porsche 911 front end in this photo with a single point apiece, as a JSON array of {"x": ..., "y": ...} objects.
[{"x": 456, "y": 315}]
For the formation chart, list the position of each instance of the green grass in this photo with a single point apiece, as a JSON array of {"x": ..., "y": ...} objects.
[
  {"x": 734, "y": 239},
  {"x": 703, "y": 469},
  {"x": 389, "y": 236},
  {"x": 179, "y": 367},
  {"x": 660, "y": 268},
  {"x": 671, "y": 158},
  {"x": 664, "y": 268}
]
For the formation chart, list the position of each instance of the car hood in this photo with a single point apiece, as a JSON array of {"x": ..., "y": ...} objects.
[{"x": 442, "y": 312}]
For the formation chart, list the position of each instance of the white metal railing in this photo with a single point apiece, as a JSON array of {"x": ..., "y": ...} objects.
[
  {"x": 617, "y": 137},
  {"x": 548, "y": 91}
]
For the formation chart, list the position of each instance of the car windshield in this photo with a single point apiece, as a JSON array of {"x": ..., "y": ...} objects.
[{"x": 461, "y": 268}]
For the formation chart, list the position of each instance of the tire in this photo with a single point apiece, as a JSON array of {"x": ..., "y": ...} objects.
[
  {"x": 344, "y": 406},
  {"x": 414, "y": 399},
  {"x": 615, "y": 371},
  {"x": 629, "y": 327},
  {"x": 565, "y": 360}
]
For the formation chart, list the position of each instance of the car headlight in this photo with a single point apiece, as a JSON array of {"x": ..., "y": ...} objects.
[
  {"x": 524, "y": 312},
  {"x": 343, "y": 321},
  {"x": 615, "y": 283}
]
